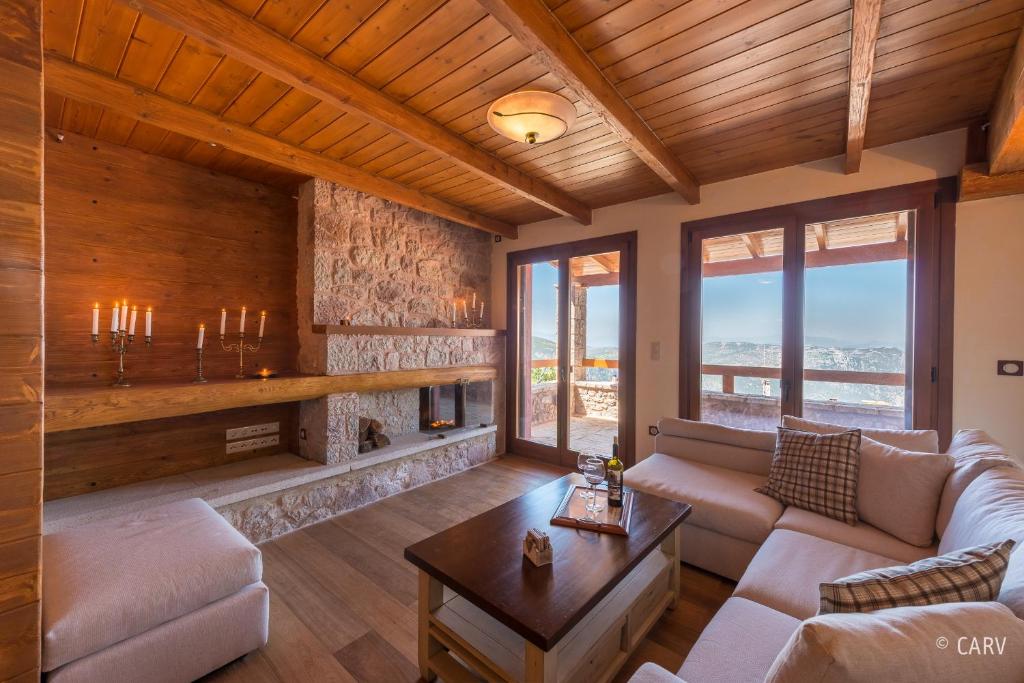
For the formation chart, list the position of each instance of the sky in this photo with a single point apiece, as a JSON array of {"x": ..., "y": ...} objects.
[{"x": 858, "y": 305}]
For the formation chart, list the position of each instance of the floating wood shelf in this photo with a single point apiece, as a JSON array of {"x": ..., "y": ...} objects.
[
  {"x": 69, "y": 409},
  {"x": 406, "y": 331}
]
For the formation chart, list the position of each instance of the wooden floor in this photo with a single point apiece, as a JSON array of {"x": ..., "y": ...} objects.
[{"x": 343, "y": 601}]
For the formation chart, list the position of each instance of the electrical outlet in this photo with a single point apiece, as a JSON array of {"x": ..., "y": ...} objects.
[
  {"x": 253, "y": 430},
  {"x": 652, "y": 430},
  {"x": 253, "y": 444}
]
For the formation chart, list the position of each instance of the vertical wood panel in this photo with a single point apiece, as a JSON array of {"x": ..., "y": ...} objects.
[
  {"x": 186, "y": 241},
  {"x": 21, "y": 363}
]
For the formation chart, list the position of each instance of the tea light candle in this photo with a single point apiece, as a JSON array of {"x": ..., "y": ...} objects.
[
  {"x": 123, "y": 322},
  {"x": 263, "y": 320},
  {"x": 131, "y": 323},
  {"x": 202, "y": 334},
  {"x": 95, "y": 319},
  {"x": 149, "y": 321},
  {"x": 113, "y": 319},
  {"x": 241, "y": 323},
  {"x": 223, "y": 320}
]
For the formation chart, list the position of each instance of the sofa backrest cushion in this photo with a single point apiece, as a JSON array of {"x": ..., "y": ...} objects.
[
  {"x": 973, "y": 452},
  {"x": 899, "y": 490},
  {"x": 933, "y": 643},
  {"x": 919, "y": 440},
  {"x": 744, "y": 450},
  {"x": 990, "y": 510}
]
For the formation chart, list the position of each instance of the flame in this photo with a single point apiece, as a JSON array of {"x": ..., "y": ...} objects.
[{"x": 437, "y": 424}]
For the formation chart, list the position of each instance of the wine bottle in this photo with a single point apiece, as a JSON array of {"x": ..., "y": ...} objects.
[{"x": 614, "y": 476}]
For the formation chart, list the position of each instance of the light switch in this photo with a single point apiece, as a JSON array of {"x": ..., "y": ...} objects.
[
  {"x": 1013, "y": 368},
  {"x": 655, "y": 350}
]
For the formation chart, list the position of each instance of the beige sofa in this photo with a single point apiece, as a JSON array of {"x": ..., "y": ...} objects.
[{"x": 780, "y": 555}]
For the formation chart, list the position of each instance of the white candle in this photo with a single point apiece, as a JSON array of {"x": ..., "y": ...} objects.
[
  {"x": 202, "y": 334},
  {"x": 223, "y": 320},
  {"x": 95, "y": 319},
  {"x": 131, "y": 323},
  {"x": 481, "y": 311},
  {"x": 263, "y": 320},
  {"x": 454, "y": 313},
  {"x": 113, "y": 319},
  {"x": 123, "y": 322},
  {"x": 149, "y": 321},
  {"x": 465, "y": 314},
  {"x": 241, "y": 322},
  {"x": 474, "y": 301}
]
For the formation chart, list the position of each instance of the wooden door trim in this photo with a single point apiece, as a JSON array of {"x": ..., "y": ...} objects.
[{"x": 626, "y": 244}]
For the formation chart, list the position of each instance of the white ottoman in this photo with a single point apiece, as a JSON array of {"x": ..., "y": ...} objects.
[{"x": 169, "y": 594}]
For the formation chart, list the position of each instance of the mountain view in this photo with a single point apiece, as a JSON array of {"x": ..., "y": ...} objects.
[
  {"x": 546, "y": 348},
  {"x": 832, "y": 357}
]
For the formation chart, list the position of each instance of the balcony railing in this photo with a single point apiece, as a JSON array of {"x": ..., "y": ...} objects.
[
  {"x": 587, "y": 363},
  {"x": 729, "y": 373}
]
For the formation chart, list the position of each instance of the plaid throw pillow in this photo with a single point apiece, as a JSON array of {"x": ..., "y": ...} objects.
[
  {"x": 971, "y": 575},
  {"x": 816, "y": 472}
]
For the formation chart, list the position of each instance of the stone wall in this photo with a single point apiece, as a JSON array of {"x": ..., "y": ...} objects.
[
  {"x": 265, "y": 517},
  {"x": 374, "y": 262},
  {"x": 596, "y": 399},
  {"x": 545, "y": 403}
]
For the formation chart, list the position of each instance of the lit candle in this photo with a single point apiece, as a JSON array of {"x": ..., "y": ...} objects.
[
  {"x": 454, "y": 313},
  {"x": 149, "y": 321},
  {"x": 202, "y": 334},
  {"x": 481, "y": 311},
  {"x": 263, "y": 320},
  {"x": 465, "y": 314},
  {"x": 113, "y": 319},
  {"x": 131, "y": 323},
  {"x": 95, "y": 319},
  {"x": 123, "y": 322},
  {"x": 474, "y": 301},
  {"x": 241, "y": 322},
  {"x": 223, "y": 320}
]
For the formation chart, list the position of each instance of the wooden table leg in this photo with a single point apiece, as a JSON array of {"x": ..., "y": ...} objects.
[
  {"x": 675, "y": 552},
  {"x": 540, "y": 666},
  {"x": 430, "y": 597}
]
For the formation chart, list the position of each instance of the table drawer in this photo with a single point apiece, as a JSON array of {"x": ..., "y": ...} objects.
[{"x": 646, "y": 605}]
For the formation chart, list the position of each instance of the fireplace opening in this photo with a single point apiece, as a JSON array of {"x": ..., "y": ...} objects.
[{"x": 452, "y": 406}]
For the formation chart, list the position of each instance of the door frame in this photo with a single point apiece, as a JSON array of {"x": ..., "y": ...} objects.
[
  {"x": 933, "y": 260},
  {"x": 626, "y": 244}
]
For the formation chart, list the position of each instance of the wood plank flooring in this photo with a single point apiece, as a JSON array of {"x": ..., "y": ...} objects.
[{"x": 343, "y": 600}]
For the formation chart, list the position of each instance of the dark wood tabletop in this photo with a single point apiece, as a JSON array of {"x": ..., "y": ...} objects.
[{"x": 482, "y": 560}]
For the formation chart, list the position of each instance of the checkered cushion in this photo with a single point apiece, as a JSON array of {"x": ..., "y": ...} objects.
[
  {"x": 970, "y": 575},
  {"x": 816, "y": 472}
]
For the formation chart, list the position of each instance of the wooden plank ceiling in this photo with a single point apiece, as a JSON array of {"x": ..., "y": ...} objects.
[{"x": 731, "y": 87}]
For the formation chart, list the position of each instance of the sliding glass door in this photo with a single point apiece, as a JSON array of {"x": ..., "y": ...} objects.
[
  {"x": 831, "y": 309},
  {"x": 571, "y": 336}
]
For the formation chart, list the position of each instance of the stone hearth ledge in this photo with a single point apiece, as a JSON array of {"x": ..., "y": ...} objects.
[{"x": 271, "y": 495}]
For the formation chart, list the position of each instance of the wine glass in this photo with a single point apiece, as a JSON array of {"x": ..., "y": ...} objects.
[
  {"x": 581, "y": 465},
  {"x": 593, "y": 472}
]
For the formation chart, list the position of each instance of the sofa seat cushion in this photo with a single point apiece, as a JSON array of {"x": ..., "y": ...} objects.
[
  {"x": 115, "y": 579},
  {"x": 862, "y": 536},
  {"x": 787, "y": 570},
  {"x": 739, "y": 645},
  {"x": 723, "y": 500}
]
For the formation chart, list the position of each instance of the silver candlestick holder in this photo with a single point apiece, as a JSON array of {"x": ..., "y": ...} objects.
[
  {"x": 199, "y": 379},
  {"x": 120, "y": 341},
  {"x": 241, "y": 348}
]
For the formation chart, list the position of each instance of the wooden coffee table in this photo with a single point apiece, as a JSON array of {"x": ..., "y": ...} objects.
[{"x": 484, "y": 607}]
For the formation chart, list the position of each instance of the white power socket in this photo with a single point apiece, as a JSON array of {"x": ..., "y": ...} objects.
[
  {"x": 253, "y": 430},
  {"x": 253, "y": 444}
]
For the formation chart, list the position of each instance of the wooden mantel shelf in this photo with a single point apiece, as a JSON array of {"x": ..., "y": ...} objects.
[
  {"x": 68, "y": 409},
  {"x": 406, "y": 331}
]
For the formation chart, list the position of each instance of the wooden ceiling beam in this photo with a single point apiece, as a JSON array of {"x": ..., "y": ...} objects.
[
  {"x": 977, "y": 183},
  {"x": 533, "y": 25},
  {"x": 1006, "y": 133},
  {"x": 87, "y": 85},
  {"x": 820, "y": 236},
  {"x": 252, "y": 43},
  {"x": 867, "y": 16},
  {"x": 751, "y": 244}
]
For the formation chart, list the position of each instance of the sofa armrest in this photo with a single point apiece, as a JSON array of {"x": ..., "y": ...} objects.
[
  {"x": 743, "y": 450},
  {"x": 652, "y": 673}
]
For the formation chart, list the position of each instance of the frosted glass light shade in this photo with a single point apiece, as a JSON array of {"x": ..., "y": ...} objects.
[{"x": 532, "y": 116}]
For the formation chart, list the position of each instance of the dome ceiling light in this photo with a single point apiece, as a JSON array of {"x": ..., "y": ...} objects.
[{"x": 532, "y": 116}]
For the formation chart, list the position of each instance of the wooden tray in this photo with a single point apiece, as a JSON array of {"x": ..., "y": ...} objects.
[{"x": 611, "y": 520}]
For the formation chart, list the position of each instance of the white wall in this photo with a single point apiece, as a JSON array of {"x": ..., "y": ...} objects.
[{"x": 657, "y": 222}]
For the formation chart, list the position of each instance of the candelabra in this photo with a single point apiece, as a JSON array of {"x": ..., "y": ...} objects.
[
  {"x": 199, "y": 367},
  {"x": 472, "y": 316},
  {"x": 241, "y": 347},
  {"x": 120, "y": 340}
]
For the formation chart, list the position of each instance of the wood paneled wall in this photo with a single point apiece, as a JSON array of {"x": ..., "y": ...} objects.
[
  {"x": 183, "y": 239},
  {"x": 186, "y": 241},
  {"x": 21, "y": 337}
]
